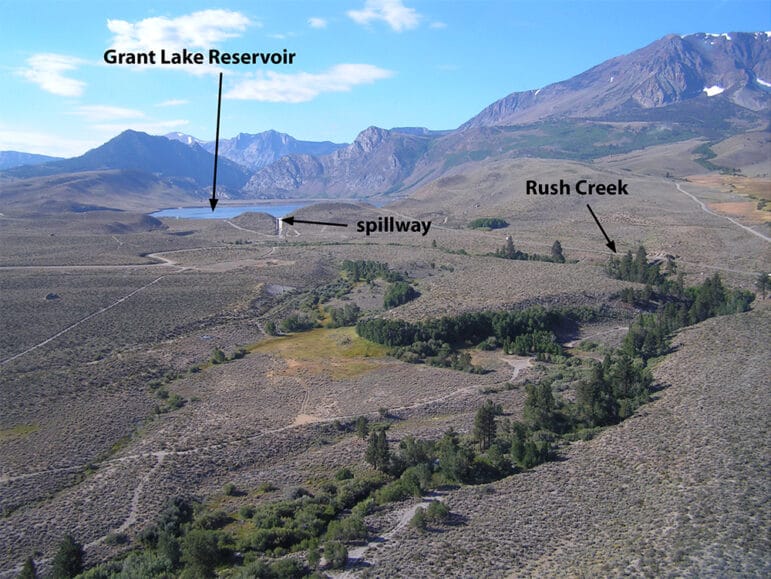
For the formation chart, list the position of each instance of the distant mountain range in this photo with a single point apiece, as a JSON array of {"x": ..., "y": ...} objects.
[
  {"x": 260, "y": 150},
  {"x": 709, "y": 86},
  {"x": 190, "y": 166},
  {"x": 11, "y": 159}
]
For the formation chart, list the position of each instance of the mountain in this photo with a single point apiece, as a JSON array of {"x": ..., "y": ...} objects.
[
  {"x": 677, "y": 88},
  {"x": 11, "y": 159},
  {"x": 693, "y": 88},
  {"x": 262, "y": 149},
  {"x": 376, "y": 162},
  {"x": 184, "y": 138},
  {"x": 258, "y": 151},
  {"x": 734, "y": 68},
  {"x": 185, "y": 166}
]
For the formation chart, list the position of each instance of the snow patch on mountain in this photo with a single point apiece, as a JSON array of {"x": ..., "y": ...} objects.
[{"x": 713, "y": 90}]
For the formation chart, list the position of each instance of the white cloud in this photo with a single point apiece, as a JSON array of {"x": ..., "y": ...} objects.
[
  {"x": 201, "y": 29},
  {"x": 392, "y": 12},
  {"x": 173, "y": 103},
  {"x": 47, "y": 71},
  {"x": 276, "y": 87},
  {"x": 14, "y": 139},
  {"x": 315, "y": 22},
  {"x": 97, "y": 113}
]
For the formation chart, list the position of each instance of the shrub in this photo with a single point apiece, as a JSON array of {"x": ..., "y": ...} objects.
[
  {"x": 246, "y": 512},
  {"x": 336, "y": 554},
  {"x": 418, "y": 520},
  {"x": 297, "y": 322},
  {"x": 344, "y": 474},
  {"x": 116, "y": 539},
  {"x": 438, "y": 512},
  {"x": 218, "y": 356},
  {"x": 201, "y": 552},
  {"x": 348, "y": 529}
]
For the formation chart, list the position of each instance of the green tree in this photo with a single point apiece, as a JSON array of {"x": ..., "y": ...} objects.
[
  {"x": 540, "y": 408},
  {"x": 454, "y": 460},
  {"x": 556, "y": 252},
  {"x": 270, "y": 328},
  {"x": 201, "y": 552},
  {"x": 595, "y": 401},
  {"x": 336, "y": 554},
  {"x": 362, "y": 427},
  {"x": 762, "y": 283},
  {"x": 377, "y": 453},
  {"x": 314, "y": 555},
  {"x": 28, "y": 571},
  {"x": 399, "y": 293},
  {"x": 68, "y": 561},
  {"x": 484, "y": 424}
]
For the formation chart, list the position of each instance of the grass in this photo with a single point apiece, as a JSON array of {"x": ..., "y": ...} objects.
[
  {"x": 18, "y": 431},
  {"x": 339, "y": 351}
]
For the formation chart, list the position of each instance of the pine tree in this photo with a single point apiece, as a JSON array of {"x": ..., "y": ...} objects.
[
  {"x": 539, "y": 406},
  {"x": 556, "y": 252},
  {"x": 484, "y": 425},
  {"x": 362, "y": 427},
  {"x": 68, "y": 561},
  {"x": 377, "y": 453},
  {"x": 762, "y": 283},
  {"x": 28, "y": 571}
]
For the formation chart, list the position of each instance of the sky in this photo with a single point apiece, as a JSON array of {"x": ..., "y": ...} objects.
[{"x": 388, "y": 63}]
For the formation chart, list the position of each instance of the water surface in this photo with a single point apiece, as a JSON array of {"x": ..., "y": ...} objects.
[{"x": 230, "y": 211}]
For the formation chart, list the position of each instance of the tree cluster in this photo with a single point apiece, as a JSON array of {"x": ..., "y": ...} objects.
[
  {"x": 345, "y": 316},
  {"x": 399, "y": 293},
  {"x": 634, "y": 268},
  {"x": 508, "y": 251},
  {"x": 366, "y": 270},
  {"x": 488, "y": 223}
]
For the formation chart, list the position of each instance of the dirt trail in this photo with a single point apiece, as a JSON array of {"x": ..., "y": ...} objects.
[
  {"x": 85, "y": 319},
  {"x": 708, "y": 210},
  {"x": 164, "y": 262},
  {"x": 252, "y": 230},
  {"x": 356, "y": 555},
  {"x": 518, "y": 364}
]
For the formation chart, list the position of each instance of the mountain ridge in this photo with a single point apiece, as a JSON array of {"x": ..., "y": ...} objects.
[{"x": 677, "y": 88}]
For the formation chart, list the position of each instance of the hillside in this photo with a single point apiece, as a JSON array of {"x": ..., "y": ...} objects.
[
  {"x": 677, "y": 489},
  {"x": 734, "y": 68}
]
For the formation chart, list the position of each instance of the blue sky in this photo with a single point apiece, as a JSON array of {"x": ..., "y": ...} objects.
[{"x": 432, "y": 63}]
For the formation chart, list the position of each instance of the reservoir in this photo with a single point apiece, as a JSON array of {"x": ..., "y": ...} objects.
[{"x": 230, "y": 211}]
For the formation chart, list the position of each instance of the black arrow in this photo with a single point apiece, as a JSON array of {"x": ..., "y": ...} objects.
[
  {"x": 610, "y": 244},
  {"x": 213, "y": 200},
  {"x": 291, "y": 221}
]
